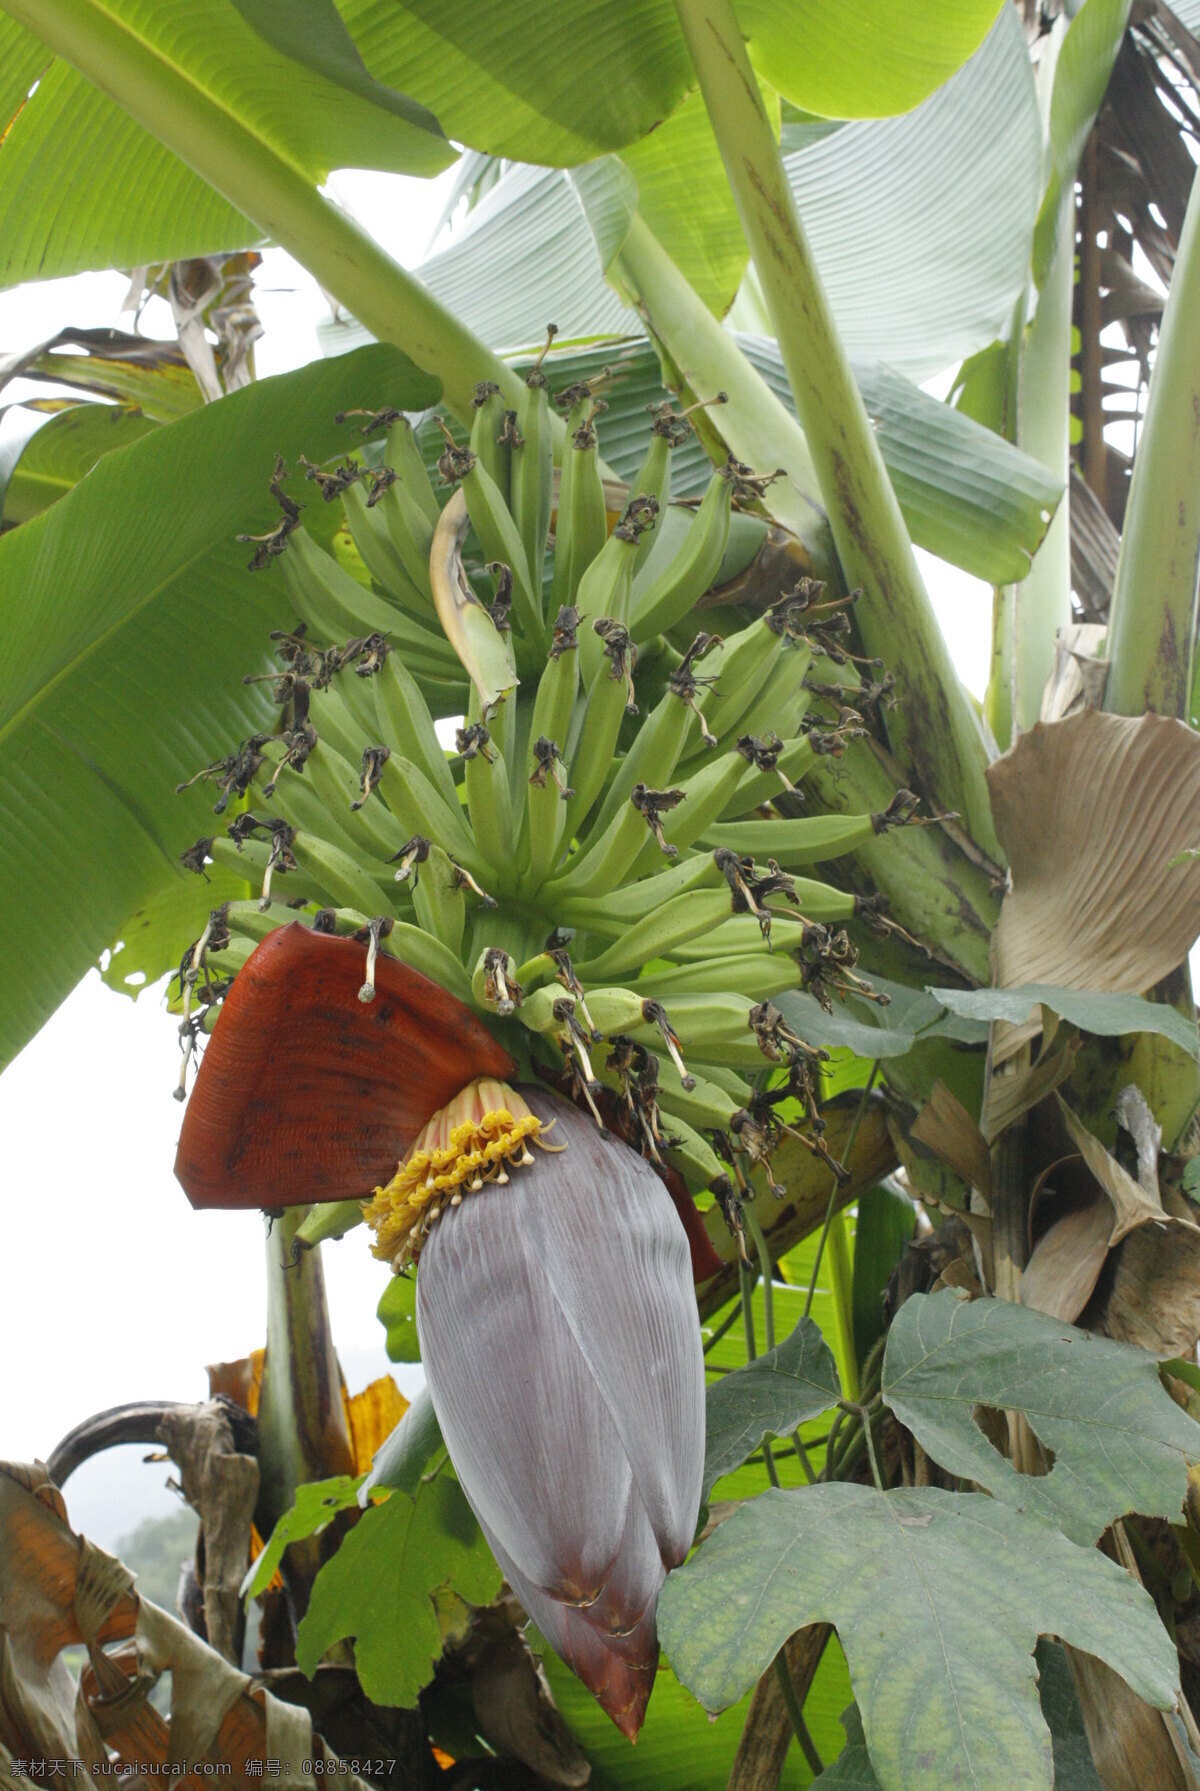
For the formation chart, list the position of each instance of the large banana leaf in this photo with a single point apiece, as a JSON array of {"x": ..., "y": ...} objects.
[
  {"x": 38, "y": 469},
  {"x": 526, "y": 258},
  {"x": 83, "y": 185},
  {"x": 921, "y": 225},
  {"x": 537, "y": 83},
  {"x": 967, "y": 494},
  {"x": 675, "y": 166},
  {"x": 557, "y": 84},
  {"x": 128, "y": 622}
]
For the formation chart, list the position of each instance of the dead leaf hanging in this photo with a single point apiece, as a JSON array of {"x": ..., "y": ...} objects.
[{"x": 1091, "y": 811}]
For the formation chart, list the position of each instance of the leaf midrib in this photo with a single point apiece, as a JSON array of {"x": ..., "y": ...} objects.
[{"x": 239, "y": 126}]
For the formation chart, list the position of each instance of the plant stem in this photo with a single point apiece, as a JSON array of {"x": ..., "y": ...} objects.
[
  {"x": 280, "y": 199},
  {"x": 935, "y": 730},
  {"x": 792, "y": 1705},
  {"x": 787, "y": 1689},
  {"x": 841, "y": 1278},
  {"x": 766, "y": 1271},
  {"x": 833, "y": 1194},
  {"x": 1041, "y": 604},
  {"x": 753, "y": 422},
  {"x": 746, "y": 1279},
  {"x": 1152, "y": 619},
  {"x": 876, "y": 1475},
  {"x": 302, "y": 1429}
]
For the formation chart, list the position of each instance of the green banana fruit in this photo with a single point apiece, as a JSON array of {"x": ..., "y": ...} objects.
[
  {"x": 489, "y": 442},
  {"x": 532, "y": 467},
  {"x": 622, "y": 860},
  {"x": 672, "y": 593}
]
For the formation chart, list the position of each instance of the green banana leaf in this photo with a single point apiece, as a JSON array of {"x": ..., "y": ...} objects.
[
  {"x": 128, "y": 623},
  {"x": 526, "y": 257},
  {"x": 83, "y": 185},
  {"x": 42, "y": 467},
  {"x": 967, "y": 494},
  {"x": 673, "y": 167},
  {"x": 920, "y": 225},
  {"x": 681, "y": 1748},
  {"x": 541, "y": 84},
  {"x": 557, "y": 84}
]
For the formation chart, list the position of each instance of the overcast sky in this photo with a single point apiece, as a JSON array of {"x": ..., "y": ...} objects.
[{"x": 115, "y": 1290}]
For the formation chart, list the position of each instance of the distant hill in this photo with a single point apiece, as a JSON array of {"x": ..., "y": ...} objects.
[{"x": 155, "y": 1551}]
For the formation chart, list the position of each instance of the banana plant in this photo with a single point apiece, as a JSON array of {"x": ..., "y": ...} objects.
[{"x": 615, "y": 906}]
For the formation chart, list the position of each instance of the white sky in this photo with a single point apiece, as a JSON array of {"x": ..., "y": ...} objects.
[{"x": 115, "y": 1289}]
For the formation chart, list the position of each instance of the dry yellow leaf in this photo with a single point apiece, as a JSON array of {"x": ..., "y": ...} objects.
[{"x": 1091, "y": 811}]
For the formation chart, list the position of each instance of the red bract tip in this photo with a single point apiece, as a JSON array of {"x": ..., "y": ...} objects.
[
  {"x": 305, "y": 1093},
  {"x": 561, "y": 1346}
]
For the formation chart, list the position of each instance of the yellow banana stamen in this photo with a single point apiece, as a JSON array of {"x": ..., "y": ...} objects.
[{"x": 475, "y": 1139}]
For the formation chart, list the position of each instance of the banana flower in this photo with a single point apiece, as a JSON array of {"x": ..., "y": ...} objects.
[{"x": 555, "y": 1308}]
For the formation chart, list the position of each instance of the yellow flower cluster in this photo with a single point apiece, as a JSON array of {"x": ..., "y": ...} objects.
[{"x": 450, "y": 1159}]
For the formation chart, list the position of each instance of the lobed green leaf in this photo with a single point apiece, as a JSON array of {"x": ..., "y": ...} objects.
[
  {"x": 938, "y": 1599},
  {"x": 1118, "y": 1441},
  {"x": 379, "y": 1589}
]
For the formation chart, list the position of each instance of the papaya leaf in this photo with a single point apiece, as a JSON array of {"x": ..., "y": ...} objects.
[
  {"x": 1073, "y": 1768},
  {"x": 1105, "y": 1014},
  {"x": 379, "y": 1588},
  {"x": 768, "y": 1397},
  {"x": 317, "y": 1504},
  {"x": 852, "y": 1770},
  {"x": 938, "y": 1599},
  {"x": 1119, "y": 1442}
]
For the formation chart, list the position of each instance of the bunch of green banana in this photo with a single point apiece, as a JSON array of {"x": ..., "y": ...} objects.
[{"x": 471, "y": 772}]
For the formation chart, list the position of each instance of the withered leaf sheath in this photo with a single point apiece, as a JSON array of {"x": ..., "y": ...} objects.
[{"x": 558, "y": 1331}]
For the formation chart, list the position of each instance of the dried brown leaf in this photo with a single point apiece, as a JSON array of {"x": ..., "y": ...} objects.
[
  {"x": 1010, "y": 1096},
  {"x": 946, "y": 1128},
  {"x": 1091, "y": 811},
  {"x": 57, "y": 1590},
  {"x": 1132, "y": 1205},
  {"x": 240, "y": 1381},
  {"x": 1133, "y": 1746},
  {"x": 372, "y": 1416},
  {"x": 1079, "y": 675},
  {"x": 1155, "y": 1297},
  {"x": 1066, "y": 1261}
]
